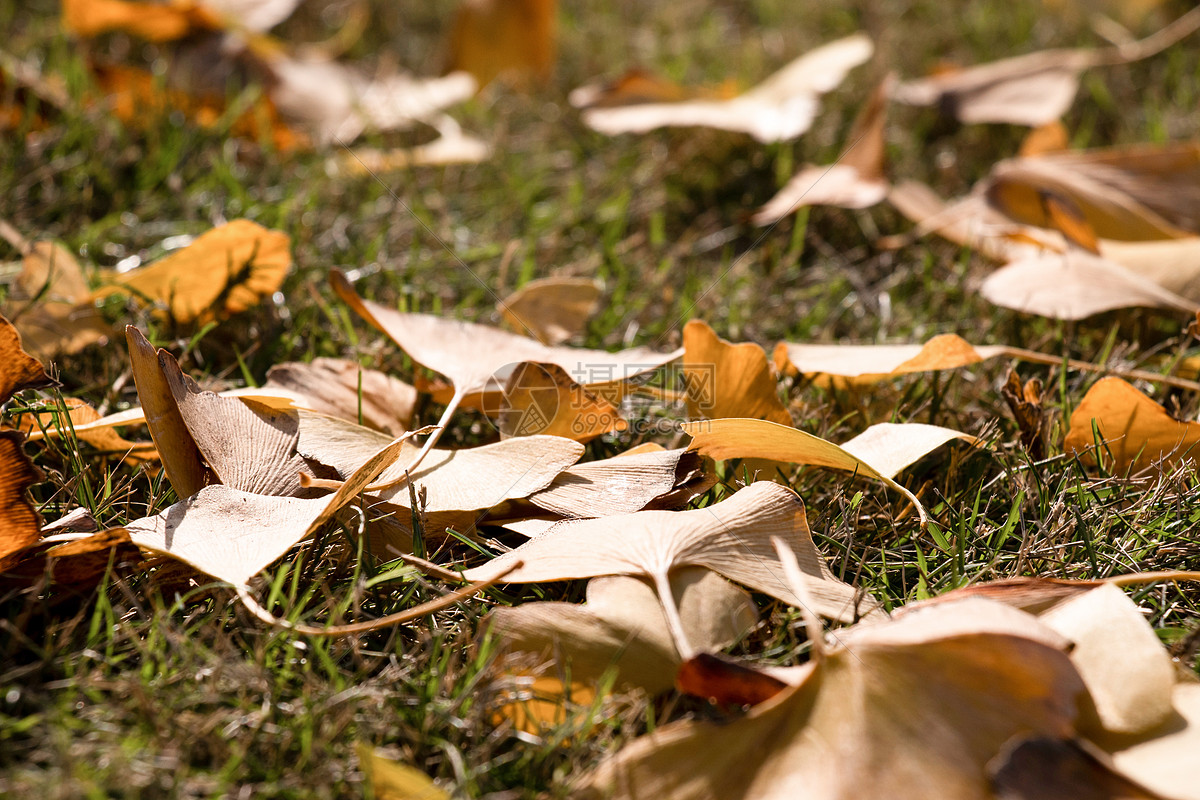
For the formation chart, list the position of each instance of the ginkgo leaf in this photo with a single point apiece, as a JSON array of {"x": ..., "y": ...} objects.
[
  {"x": 1131, "y": 694},
  {"x": 224, "y": 271},
  {"x": 640, "y": 85},
  {"x": 233, "y": 535},
  {"x": 1074, "y": 285},
  {"x": 552, "y": 309},
  {"x": 452, "y": 146},
  {"x": 619, "y": 485},
  {"x": 51, "y": 302},
  {"x": 18, "y": 369},
  {"x": 1031, "y": 89},
  {"x": 1136, "y": 431},
  {"x": 76, "y": 564},
  {"x": 391, "y": 780},
  {"x": 20, "y": 525},
  {"x": 855, "y": 180},
  {"x": 1045, "y": 768},
  {"x": 181, "y": 458},
  {"x": 508, "y": 39},
  {"x": 732, "y": 538},
  {"x": 452, "y": 480},
  {"x": 345, "y": 390},
  {"x": 622, "y": 627},
  {"x": 728, "y": 380},
  {"x": 1130, "y": 193},
  {"x": 542, "y": 399},
  {"x": 780, "y": 108},
  {"x": 246, "y": 446},
  {"x": 865, "y": 364},
  {"x": 879, "y": 452},
  {"x": 154, "y": 22},
  {"x": 340, "y": 103},
  {"x": 911, "y": 708},
  {"x": 1164, "y": 761}
]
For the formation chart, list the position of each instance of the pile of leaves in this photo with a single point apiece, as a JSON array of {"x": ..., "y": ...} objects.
[{"x": 673, "y": 480}]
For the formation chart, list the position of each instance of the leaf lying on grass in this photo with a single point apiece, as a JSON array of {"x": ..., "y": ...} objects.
[
  {"x": 879, "y": 452},
  {"x": 224, "y": 271},
  {"x": 731, "y": 538},
  {"x": 345, "y": 390},
  {"x": 856, "y": 180},
  {"x": 20, "y": 525},
  {"x": 1031, "y": 89},
  {"x": 915, "y": 707},
  {"x": 620, "y": 485},
  {"x": 1136, "y": 431},
  {"x": 866, "y": 364},
  {"x": 780, "y": 108},
  {"x": 76, "y": 417},
  {"x": 542, "y": 399},
  {"x": 18, "y": 369},
  {"x": 724, "y": 379},
  {"x": 552, "y": 309}
]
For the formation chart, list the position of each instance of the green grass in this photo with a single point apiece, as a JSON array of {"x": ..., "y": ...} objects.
[{"x": 160, "y": 685}]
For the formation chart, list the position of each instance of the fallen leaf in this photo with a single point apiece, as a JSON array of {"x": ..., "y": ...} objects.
[
  {"x": 911, "y": 708},
  {"x": 345, "y": 390},
  {"x": 51, "y": 303},
  {"x": 391, "y": 780},
  {"x": 20, "y": 525},
  {"x": 732, "y": 538},
  {"x": 154, "y": 22},
  {"x": 552, "y": 310},
  {"x": 1131, "y": 694},
  {"x": 1031, "y": 89},
  {"x": 1134, "y": 430},
  {"x": 725, "y": 682},
  {"x": 452, "y": 146},
  {"x": 471, "y": 479},
  {"x": 857, "y": 365},
  {"x": 1164, "y": 762},
  {"x": 728, "y": 380},
  {"x": 542, "y": 399},
  {"x": 508, "y": 39},
  {"x": 782, "y": 107},
  {"x": 1130, "y": 193},
  {"x": 1049, "y": 138},
  {"x": 79, "y": 564},
  {"x": 224, "y": 271},
  {"x": 879, "y": 452},
  {"x": 18, "y": 370},
  {"x": 1025, "y": 403},
  {"x": 1075, "y": 285},
  {"x": 856, "y": 180},
  {"x": 622, "y": 627},
  {"x": 619, "y": 485},
  {"x": 339, "y": 103},
  {"x": 639, "y": 85}
]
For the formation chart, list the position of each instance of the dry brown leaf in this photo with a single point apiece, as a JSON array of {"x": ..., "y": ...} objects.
[
  {"x": 552, "y": 310},
  {"x": 1137, "y": 432},
  {"x": 728, "y": 380},
  {"x": 1075, "y": 285},
  {"x": 339, "y": 103},
  {"x": 1166, "y": 761},
  {"x": 233, "y": 535},
  {"x": 619, "y": 485},
  {"x": 345, "y": 390},
  {"x": 180, "y": 457},
  {"x": 780, "y": 108},
  {"x": 18, "y": 369},
  {"x": 1025, "y": 403},
  {"x": 51, "y": 303},
  {"x": 78, "y": 564},
  {"x": 451, "y": 147},
  {"x": 912, "y": 708},
  {"x": 391, "y": 780},
  {"x": 224, "y": 271},
  {"x": 154, "y": 22},
  {"x": 638, "y": 86},
  {"x": 472, "y": 479},
  {"x": 542, "y": 399},
  {"x": 856, "y": 180},
  {"x": 1132, "y": 693},
  {"x": 1032, "y": 89},
  {"x": 20, "y": 525},
  {"x": 1049, "y": 138},
  {"x": 1130, "y": 193},
  {"x": 622, "y": 628},
  {"x": 508, "y": 39},
  {"x": 866, "y": 364},
  {"x": 1173, "y": 264},
  {"x": 879, "y": 452},
  {"x": 732, "y": 537}
]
